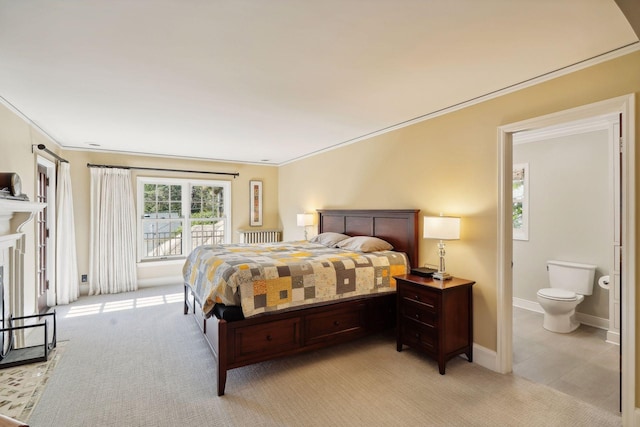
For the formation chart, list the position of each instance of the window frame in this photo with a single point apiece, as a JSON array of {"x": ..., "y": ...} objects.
[
  {"x": 186, "y": 185},
  {"x": 522, "y": 232}
]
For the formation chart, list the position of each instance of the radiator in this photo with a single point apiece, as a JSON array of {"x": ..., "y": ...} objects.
[{"x": 260, "y": 236}]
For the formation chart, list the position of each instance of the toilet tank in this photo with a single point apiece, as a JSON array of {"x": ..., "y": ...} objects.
[{"x": 571, "y": 276}]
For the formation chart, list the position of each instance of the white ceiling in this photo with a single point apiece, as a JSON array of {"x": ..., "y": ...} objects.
[{"x": 274, "y": 80}]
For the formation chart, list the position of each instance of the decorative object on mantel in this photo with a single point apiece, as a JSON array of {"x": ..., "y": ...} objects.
[
  {"x": 11, "y": 186},
  {"x": 441, "y": 228}
]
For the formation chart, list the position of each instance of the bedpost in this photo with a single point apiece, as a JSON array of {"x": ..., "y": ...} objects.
[
  {"x": 222, "y": 355},
  {"x": 186, "y": 297}
]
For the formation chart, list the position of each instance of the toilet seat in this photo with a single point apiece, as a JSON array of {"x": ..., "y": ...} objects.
[{"x": 557, "y": 294}]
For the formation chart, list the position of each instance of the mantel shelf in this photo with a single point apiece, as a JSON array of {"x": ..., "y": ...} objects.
[
  {"x": 14, "y": 214},
  {"x": 9, "y": 206}
]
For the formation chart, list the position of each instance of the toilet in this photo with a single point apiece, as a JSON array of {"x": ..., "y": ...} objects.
[{"x": 569, "y": 282}]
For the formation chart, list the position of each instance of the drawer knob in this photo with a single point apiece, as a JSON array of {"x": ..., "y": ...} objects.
[
  {"x": 269, "y": 338},
  {"x": 417, "y": 316},
  {"x": 417, "y": 298},
  {"x": 336, "y": 323},
  {"x": 418, "y": 336}
]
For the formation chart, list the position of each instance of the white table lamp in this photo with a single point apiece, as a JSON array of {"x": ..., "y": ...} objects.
[
  {"x": 305, "y": 220},
  {"x": 441, "y": 228}
]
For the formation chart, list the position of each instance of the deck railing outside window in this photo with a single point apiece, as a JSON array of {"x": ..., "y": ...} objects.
[{"x": 169, "y": 243}]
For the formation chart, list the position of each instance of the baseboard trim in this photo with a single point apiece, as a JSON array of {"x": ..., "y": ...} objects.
[
  {"x": 587, "y": 319},
  {"x": 527, "y": 305},
  {"x": 613, "y": 337},
  {"x": 485, "y": 357},
  {"x": 596, "y": 322},
  {"x": 159, "y": 281}
]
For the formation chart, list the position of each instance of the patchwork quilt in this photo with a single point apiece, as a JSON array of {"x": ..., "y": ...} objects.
[{"x": 274, "y": 276}]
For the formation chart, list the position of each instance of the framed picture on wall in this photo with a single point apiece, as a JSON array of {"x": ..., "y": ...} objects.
[{"x": 255, "y": 192}]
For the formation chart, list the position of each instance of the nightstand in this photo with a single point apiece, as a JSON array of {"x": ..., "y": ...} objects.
[{"x": 435, "y": 317}]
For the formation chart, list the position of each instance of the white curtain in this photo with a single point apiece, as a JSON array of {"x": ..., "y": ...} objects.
[
  {"x": 113, "y": 236},
  {"x": 66, "y": 262}
]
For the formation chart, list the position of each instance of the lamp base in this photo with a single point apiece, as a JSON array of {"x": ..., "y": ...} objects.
[{"x": 442, "y": 275}]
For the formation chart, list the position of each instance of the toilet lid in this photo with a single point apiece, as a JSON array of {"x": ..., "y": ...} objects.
[{"x": 557, "y": 294}]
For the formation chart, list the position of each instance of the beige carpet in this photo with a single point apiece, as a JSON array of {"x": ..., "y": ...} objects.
[
  {"x": 22, "y": 386},
  {"x": 136, "y": 360}
]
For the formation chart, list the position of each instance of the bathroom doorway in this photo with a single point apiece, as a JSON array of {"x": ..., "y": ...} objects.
[
  {"x": 565, "y": 179},
  {"x": 625, "y": 107}
]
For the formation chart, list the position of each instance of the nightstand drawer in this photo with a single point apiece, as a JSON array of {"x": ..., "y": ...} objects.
[
  {"x": 426, "y": 299},
  {"x": 417, "y": 312},
  {"x": 420, "y": 336}
]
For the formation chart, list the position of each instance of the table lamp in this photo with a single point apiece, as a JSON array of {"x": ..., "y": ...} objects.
[
  {"x": 305, "y": 220},
  {"x": 441, "y": 228}
]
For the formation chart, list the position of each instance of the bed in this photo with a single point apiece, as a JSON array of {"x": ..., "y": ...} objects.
[{"x": 248, "y": 329}]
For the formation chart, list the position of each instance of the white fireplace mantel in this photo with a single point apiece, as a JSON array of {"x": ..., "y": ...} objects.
[
  {"x": 20, "y": 211},
  {"x": 14, "y": 214}
]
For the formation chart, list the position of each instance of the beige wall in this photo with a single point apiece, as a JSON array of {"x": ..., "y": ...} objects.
[
  {"x": 16, "y": 139},
  {"x": 162, "y": 272},
  {"x": 448, "y": 164}
]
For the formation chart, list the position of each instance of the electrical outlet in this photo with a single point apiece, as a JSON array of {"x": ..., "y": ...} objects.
[{"x": 84, "y": 278}]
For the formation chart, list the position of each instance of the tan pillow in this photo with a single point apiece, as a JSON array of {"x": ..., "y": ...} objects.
[
  {"x": 329, "y": 239},
  {"x": 364, "y": 244}
]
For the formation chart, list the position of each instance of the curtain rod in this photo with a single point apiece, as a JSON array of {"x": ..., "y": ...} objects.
[
  {"x": 44, "y": 148},
  {"x": 233, "y": 174}
]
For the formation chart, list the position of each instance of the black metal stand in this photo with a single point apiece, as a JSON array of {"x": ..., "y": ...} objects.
[{"x": 11, "y": 356}]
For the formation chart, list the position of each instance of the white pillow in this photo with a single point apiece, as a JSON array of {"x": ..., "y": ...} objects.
[
  {"x": 364, "y": 244},
  {"x": 329, "y": 239}
]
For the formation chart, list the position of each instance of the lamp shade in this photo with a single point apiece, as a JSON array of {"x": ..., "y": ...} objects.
[
  {"x": 441, "y": 227},
  {"x": 305, "y": 219}
]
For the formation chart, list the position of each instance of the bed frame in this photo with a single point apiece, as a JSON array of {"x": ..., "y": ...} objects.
[{"x": 269, "y": 336}]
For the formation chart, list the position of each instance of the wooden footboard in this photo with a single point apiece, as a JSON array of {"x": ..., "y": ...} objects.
[{"x": 257, "y": 339}]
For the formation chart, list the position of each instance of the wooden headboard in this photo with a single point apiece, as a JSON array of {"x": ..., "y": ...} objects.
[{"x": 397, "y": 226}]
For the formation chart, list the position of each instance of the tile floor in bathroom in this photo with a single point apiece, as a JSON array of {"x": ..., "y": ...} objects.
[{"x": 581, "y": 363}]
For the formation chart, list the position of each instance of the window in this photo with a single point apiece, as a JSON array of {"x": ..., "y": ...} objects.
[
  {"x": 178, "y": 215},
  {"x": 521, "y": 201}
]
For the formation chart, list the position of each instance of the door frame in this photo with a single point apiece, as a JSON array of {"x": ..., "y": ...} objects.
[
  {"x": 624, "y": 105},
  {"x": 51, "y": 223}
]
